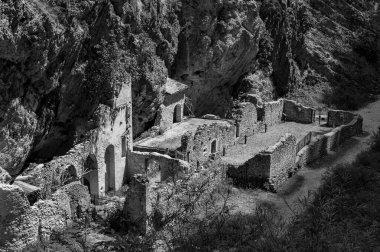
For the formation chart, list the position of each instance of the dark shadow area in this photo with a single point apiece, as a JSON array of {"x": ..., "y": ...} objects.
[
  {"x": 293, "y": 185},
  {"x": 343, "y": 149}
]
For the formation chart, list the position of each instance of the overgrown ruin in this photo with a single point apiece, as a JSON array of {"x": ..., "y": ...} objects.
[{"x": 260, "y": 145}]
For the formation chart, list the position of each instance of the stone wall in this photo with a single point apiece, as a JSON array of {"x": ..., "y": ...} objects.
[
  {"x": 336, "y": 118},
  {"x": 113, "y": 142},
  {"x": 54, "y": 174},
  {"x": 254, "y": 172},
  {"x": 155, "y": 165},
  {"x": 165, "y": 113},
  {"x": 273, "y": 112},
  {"x": 283, "y": 158},
  {"x": 323, "y": 144},
  {"x": 296, "y": 112},
  {"x": 198, "y": 147},
  {"x": 272, "y": 165},
  {"x": 23, "y": 225},
  {"x": 135, "y": 205},
  {"x": 245, "y": 116}
]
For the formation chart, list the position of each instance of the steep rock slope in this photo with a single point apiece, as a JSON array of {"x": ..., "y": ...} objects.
[
  {"x": 60, "y": 61},
  {"x": 63, "y": 61},
  {"x": 218, "y": 44},
  {"x": 325, "y": 52}
]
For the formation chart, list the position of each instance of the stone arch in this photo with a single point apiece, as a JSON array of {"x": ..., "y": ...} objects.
[
  {"x": 109, "y": 158},
  {"x": 177, "y": 115},
  {"x": 213, "y": 147},
  {"x": 90, "y": 174}
]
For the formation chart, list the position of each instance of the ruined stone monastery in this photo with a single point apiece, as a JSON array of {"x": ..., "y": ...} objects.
[{"x": 260, "y": 144}]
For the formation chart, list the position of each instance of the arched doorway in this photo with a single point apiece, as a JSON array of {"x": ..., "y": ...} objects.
[
  {"x": 213, "y": 146},
  {"x": 87, "y": 184},
  {"x": 109, "y": 158},
  {"x": 90, "y": 175},
  {"x": 177, "y": 116}
]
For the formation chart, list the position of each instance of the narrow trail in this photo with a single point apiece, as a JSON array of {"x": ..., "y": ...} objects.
[{"x": 287, "y": 200}]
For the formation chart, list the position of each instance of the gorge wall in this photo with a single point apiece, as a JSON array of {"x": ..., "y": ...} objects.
[{"x": 62, "y": 62}]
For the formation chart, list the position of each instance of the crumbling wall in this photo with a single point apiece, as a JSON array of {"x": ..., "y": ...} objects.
[
  {"x": 254, "y": 172},
  {"x": 112, "y": 144},
  {"x": 135, "y": 205},
  {"x": 304, "y": 141},
  {"x": 321, "y": 145},
  {"x": 138, "y": 163},
  {"x": 337, "y": 118},
  {"x": 23, "y": 225},
  {"x": 52, "y": 175},
  {"x": 198, "y": 147},
  {"x": 283, "y": 159},
  {"x": 245, "y": 115},
  {"x": 165, "y": 113},
  {"x": 273, "y": 112},
  {"x": 296, "y": 112},
  {"x": 271, "y": 166}
]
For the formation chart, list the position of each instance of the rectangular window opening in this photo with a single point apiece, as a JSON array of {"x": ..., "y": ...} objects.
[{"x": 123, "y": 147}]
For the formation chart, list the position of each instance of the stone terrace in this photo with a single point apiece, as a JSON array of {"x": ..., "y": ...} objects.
[
  {"x": 240, "y": 153},
  {"x": 171, "y": 139}
]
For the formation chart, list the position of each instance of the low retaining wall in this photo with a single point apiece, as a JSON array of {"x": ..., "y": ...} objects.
[
  {"x": 321, "y": 145},
  {"x": 337, "y": 118},
  {"x": 296, "y": 112},
  {"x": 275, "y": 165}
]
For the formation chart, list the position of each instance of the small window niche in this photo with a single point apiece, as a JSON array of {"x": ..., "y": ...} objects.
[{"x": 123, "y": 146}]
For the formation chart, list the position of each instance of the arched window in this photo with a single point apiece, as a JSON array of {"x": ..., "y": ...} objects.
[
  {"x": 177, "y": 116},
  {"x": 109, "y": 158}
]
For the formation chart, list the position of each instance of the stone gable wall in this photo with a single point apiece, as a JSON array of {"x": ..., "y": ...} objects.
[
  {"x": 166, "y": 111},
  {"x": 273, "y": 112},
  {"x": 296, "y": 112},
  {"x": 245, "y": 115},
  {"x": 283, "y": 158}
]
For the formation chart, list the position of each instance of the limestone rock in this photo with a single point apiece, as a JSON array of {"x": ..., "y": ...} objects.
[
  {"x": 219, "y": 43},
  {"x": 19, "y": 223},
  {"x": 4, "y": 176}
]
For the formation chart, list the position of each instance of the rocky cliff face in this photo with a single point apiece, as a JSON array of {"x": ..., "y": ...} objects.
[{"x": 60, "y": 60}]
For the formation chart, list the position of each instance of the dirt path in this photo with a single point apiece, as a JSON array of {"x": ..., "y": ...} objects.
[{"x": 309, "y": 179}]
